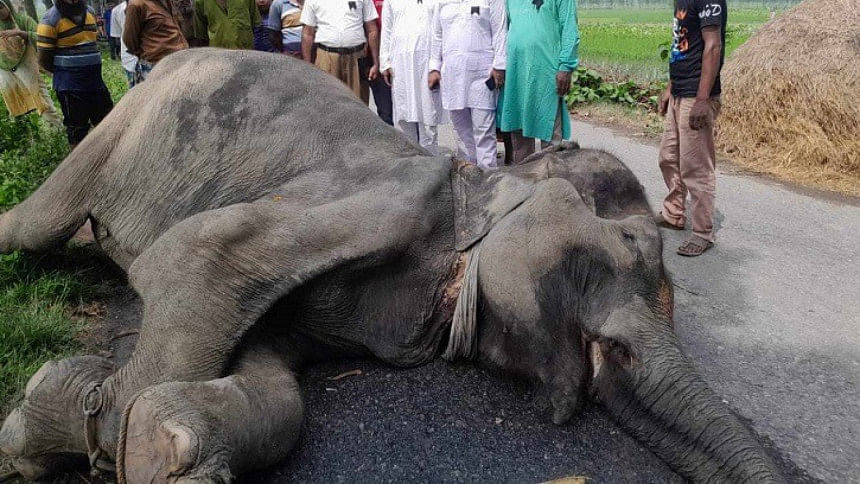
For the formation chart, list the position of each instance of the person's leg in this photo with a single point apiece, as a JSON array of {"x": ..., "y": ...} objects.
[
  {"x": 75, "y": 116},
  {"x": 410, "y": 130},
  {"x": 462, "y": 121},
  {"x": 382, "y": 98},
  {"x": 669, "y": 161},
  {"x": 356, "y": 77},
  {"x": 100, "y": 106},
  {"x": 522, "y": 146},
  {"x": 428, "y": 138},
  {"x": 557, "y": 134},
  {"x": 49, "y": 114},
  {"x": 484, "y": 129},
  {"x": 328, "y": 62},
  {"x": 697, "y": 168},
  {"x": 129, "y": 77}
]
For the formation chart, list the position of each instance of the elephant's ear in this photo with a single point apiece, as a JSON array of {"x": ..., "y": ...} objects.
[{"x": 481, "y": 199}]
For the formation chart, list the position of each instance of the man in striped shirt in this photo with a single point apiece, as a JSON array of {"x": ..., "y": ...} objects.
[{"x": 66, "y": 40}]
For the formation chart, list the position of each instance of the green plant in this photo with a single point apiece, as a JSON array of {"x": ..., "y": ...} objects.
[{"x": 587, "y": 85}]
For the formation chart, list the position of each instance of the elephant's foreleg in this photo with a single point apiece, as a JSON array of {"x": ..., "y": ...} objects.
[
  {"x": 210, "y": 278},
  {"x": 212, "y": 431}
]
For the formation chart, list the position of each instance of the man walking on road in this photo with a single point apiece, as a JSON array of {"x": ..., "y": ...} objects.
[
  {"x": 404, "y": 57},
  {"x": 333, "y": 39},
  {"x": 467, "y": 62},
  {"x": 543, "y": 46},
  {"x": 691, "y": 104}
]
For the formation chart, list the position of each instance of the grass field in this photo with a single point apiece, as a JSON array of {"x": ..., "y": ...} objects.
[
  {"x": 38, "y": 300},
  {"x": 624, "y": 43}
]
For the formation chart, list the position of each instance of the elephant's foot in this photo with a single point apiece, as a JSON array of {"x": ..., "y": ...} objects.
[
  {"x": 209, "y": 431},
  {"x": 48, "y": 427},
  {"x": 174, "y": 433}
]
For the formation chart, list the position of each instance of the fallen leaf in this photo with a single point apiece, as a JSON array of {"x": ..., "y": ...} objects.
[
  {"x": 569, "y": 480},
  {"x": 345, "y": 374},
  {"x": 94, "y": 309},
  {"x": 123, "y": 334}
]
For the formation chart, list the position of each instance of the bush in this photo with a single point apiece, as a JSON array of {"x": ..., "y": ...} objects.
[
  {"x": 587, "y": 86},
  {"x": 29, "y": 152}
]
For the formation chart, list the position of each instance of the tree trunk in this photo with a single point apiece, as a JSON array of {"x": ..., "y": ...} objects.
[{"x": 30, "y": 7}]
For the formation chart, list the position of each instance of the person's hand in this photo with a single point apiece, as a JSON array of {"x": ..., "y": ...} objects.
[
  {"x": 498, "y": 78},
  {"x": 387, "y": 76},
  {"x": 562, "y": 83},
  {"x": 663, "y": 105},
  {"x": 700, "y": 114},
  {"x": 373, "y": 73},
  {"x": 433, "y": 80}
]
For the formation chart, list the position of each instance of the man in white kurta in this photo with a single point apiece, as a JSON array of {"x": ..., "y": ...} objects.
[
  {"x": 467, "y": 49},
  {"x": 404, "y": 57}
]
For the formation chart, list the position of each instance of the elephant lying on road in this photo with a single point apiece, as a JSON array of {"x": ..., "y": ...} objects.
[{"x": 266, "y": 228}]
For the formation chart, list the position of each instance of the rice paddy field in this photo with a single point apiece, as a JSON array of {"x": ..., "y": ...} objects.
[{"x": 623, "y": 41}]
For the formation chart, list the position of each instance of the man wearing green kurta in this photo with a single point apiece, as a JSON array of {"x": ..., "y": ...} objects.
[
  {"x": 228, "y": 24},
  {"x": 543, "y": 50}
]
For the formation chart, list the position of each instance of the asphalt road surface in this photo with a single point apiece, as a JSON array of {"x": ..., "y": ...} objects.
[{"x": 770, "y": 316}]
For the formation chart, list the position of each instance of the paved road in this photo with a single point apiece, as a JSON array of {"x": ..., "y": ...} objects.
[{"x": 770, "y": 315}]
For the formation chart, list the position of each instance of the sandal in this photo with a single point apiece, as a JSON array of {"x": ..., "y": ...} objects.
[
  {"x": 661, "y": 222},
  {"x": 694, "y": 246}
]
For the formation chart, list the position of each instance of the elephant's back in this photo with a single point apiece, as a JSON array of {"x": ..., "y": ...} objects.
[{"x": 212, "y": 128}]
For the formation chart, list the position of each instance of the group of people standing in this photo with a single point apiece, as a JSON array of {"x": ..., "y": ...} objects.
[{"x": 485, "y": 64}]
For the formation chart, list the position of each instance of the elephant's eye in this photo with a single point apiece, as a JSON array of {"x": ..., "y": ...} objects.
[{"x": 618, "y": 353}]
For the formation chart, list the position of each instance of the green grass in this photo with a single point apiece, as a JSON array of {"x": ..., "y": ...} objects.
[
  {"x": 35, "y": 324},
  {"x": 36, "y": 300},
  {"x": 624, "y": 42}
]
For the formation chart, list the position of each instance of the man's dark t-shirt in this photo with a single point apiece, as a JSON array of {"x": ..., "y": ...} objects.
[{"x": 685, "y": 62}]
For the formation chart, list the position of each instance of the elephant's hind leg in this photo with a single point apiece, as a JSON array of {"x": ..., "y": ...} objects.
[{"x": 212, "y": 431}]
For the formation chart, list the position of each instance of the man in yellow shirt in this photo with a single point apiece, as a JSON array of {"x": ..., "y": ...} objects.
[{"x": 66, "y": 39}]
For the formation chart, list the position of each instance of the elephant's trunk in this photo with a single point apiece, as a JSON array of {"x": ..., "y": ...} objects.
[{"x": 663, "y": 402}]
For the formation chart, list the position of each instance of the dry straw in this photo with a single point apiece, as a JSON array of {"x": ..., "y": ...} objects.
[{"x": 791, "y": 97}]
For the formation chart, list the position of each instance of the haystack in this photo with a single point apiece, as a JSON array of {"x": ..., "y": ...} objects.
[{"x": 791, "y": 97}]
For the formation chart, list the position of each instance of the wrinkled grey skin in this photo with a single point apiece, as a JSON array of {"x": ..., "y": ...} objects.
[{"x": 267, "y": 227}]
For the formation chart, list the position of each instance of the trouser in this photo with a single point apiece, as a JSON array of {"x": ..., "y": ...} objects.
[
  {"x": 345, "y": 68},
  {"x": 142, "y": 70},
  {"x": 131, "y": 78},
  {"x": 476, "y": 129},
  {"x": 687, "y": 159},
  {"x": 82, "y": 110},
  {"x": 381, "y": 90},
  {"x": 50, "y": 112},
  {"x": 423, "y": 135},
  {"x": 113, "y": 42},
  {"x": 524, "y": 146}
]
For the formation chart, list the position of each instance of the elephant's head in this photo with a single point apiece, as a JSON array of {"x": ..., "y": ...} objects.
[{"x": 581, "y": 304}]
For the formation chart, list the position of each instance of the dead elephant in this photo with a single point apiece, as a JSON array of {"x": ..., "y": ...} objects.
[{"x": 265, "y": 228}]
